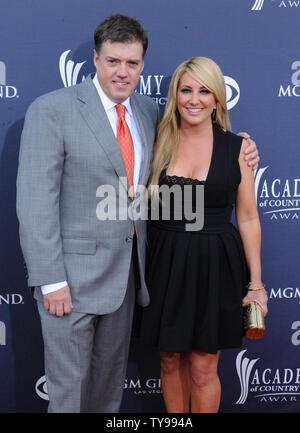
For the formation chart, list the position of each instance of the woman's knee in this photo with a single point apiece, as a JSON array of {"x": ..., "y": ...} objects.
[
  {"x": 169, "y": 362},
  {"x": 203, "y": 369}
]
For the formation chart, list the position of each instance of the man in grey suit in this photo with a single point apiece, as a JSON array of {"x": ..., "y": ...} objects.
[
  {"x": 77, "y": 263},
  {"x": 87, "y": 272}
]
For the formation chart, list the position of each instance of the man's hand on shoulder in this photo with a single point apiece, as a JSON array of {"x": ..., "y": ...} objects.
[
  {"x": 59, "y": 303},
  {"x": 251, "y": 153}
]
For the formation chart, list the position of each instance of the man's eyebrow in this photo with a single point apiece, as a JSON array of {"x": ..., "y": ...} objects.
[{"x": 128, "y": 60}]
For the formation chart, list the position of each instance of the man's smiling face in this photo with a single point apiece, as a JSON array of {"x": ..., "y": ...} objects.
[{"x": 118, "y": 67}]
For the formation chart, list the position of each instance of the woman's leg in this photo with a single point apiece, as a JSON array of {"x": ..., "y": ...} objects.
[
  {"x": 205, "y": 383},
  {"x": 175, "y": 381}
]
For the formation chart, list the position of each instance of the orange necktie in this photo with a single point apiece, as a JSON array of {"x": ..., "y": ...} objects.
[{"x": 126, "y": 145}]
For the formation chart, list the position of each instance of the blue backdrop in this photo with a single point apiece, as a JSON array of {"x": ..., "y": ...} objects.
[{"x": 47, "y": 45}]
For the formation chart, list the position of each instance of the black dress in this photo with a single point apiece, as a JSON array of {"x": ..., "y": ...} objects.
[{"x": 197, "y": 279}]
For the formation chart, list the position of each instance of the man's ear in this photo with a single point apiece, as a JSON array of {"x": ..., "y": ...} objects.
[{"x": 96, "y": 57}]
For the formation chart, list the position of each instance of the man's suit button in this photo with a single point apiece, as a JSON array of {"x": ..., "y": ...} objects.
[{"x": 129, "y": 239}]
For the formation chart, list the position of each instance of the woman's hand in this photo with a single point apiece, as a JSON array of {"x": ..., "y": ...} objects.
[{"x": 259, "y": 296}]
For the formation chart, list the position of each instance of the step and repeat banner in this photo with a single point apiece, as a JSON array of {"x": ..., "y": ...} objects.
[{"x": 45, "y": 45}]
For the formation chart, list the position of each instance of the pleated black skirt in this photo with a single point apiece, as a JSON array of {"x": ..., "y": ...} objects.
[{"x": 196, "y": 283}]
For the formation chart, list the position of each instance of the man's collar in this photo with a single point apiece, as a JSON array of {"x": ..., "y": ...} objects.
[{"x": 106, "y": 101}]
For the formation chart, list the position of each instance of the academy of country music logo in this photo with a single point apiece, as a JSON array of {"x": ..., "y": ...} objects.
[
  {"x": 292, "y": 89},
  {"x": 155, "y": 86},
  {"x": 7, "y": 91},
  {"x": 267, "y": 385},
  {"x": 69, "y": 70},
  {"x": 277, "y": 198},
  {"x": 258, "y": 4}
]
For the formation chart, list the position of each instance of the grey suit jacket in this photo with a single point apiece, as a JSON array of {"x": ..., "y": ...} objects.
[{"x": 68, "y": 150}]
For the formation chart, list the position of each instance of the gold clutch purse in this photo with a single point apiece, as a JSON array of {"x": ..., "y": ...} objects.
[{"x": 254, "y": 322}]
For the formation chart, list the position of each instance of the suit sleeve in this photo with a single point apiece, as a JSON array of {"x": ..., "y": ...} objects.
[{"x": 41, "y": 162}]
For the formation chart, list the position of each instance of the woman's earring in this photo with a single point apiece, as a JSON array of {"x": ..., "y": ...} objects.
[{"x": 214, "y": 115}]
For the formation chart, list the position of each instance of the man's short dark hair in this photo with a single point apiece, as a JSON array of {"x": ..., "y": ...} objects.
[{"x": 120, "y": 28}]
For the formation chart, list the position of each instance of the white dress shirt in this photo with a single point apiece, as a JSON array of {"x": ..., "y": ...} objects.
[{"x": 109, "y": 107}]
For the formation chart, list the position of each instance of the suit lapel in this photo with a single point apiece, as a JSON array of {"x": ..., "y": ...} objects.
[{"x": 95, "y": 116}]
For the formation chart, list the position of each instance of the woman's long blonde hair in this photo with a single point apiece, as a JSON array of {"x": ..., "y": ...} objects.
[{"x": 207, "y": 73}]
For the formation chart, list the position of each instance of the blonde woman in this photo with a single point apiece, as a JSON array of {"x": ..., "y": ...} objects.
[{"x": 197, "y": 279}]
